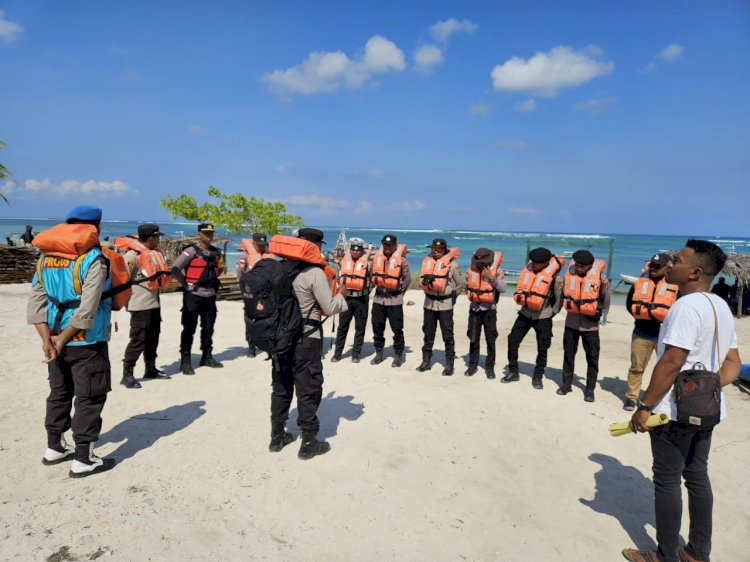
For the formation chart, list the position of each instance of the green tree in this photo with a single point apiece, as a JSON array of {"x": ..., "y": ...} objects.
[
  {"x": 5, "y": 173},
  {"x": 233, "y": 212}
]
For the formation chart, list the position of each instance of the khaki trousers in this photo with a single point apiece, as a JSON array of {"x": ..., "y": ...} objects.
[{"x": 640, "y": 353}]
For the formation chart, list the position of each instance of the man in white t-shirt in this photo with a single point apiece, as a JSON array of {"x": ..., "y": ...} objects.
[{"x": 680, "y": 450}]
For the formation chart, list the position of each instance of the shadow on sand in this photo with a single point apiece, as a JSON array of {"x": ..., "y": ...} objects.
[
  {"x": 332, "y": 410},
  {"x": 625, "y": 494},
  {"x": 140, "y": 432}
]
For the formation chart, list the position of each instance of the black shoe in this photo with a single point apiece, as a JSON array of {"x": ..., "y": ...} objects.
[
  {"x": 209, "y": 361},
  {"x": 378, "y": 359},
  {"x": 186, "y": 367},
  {"x": 398, "y": 360},
  {"x": 537, "y": 383},
  {"x": 629, "y": 405},
  {"x": 490, "y": 372},
  {"x": 448, "y": 371},
  {"x": 563, "y": 390},
  {"x": 355, "y": 359},
  {"x": 510, "y": 377},
  {"x": 279, "y": 441},
  {"x": 588, "y": 395},
  {"x": 424, "y": 366},
  {"x": 153, "y": 373},
  {"x": 311, "y": 447},
  {"x": 336, "y": 358},
  {"x": 130, "y": 382},
  {"x": 251, "y": 352},
  {"x": 471, "y": 371}
]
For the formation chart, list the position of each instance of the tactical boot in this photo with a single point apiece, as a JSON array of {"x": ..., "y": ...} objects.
[
  {"x": 471, "y": 371},
  {"x": 426, "y": 363},
  {"x": 186, "y": 368},
  {"x": 512, "y": 376},
  {"x": 128, "y": 380},
  {"x": 398, "y": 360},
  {"x": 355, "y": 358},
  {"x": 490, "y": 372},
  {"x": 567, "y": 384},
  {"x": 588, "y": 395},
  {"x": 87, "y": 463},
  {"x": 251, "y": 351},
  {"x": 536, "y": 382},
  {"x": 280, "y": 437},
  {"x": 311, "y": 446},
  {"x": 336, "y": 358},
  {"x": 57, "y": 451},
  {"x": 207, "y": 360},
  {"x": 378, "y": 359},
  {"x": 448, "y": 370},
  {"x": 153, "y": 373}
]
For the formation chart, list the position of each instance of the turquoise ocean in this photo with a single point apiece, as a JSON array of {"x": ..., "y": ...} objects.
[{"x": 629, "y": 251}]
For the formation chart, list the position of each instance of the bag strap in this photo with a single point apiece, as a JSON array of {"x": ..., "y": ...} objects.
[{"x": 716, "y": 332}]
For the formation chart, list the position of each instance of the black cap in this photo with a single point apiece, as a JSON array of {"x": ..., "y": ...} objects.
[
  {"x": 206, "y": 227},
  {"x": 312, "y": 234},
  {"x": 149, "y": 229},
  {"x": 661, "y": 259},
  {"x": 540, "y": 255},
  {"x": 439, "y": 243},
  {"x": 583, "y": 257},
  {"x": 485, "y": 256},
  {"x": 389, "y": 239},
  {"x": 260, "y": 237},
  {"x": 357, "y": 245}
]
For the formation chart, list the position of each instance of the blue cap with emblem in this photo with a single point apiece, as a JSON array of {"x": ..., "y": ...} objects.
[{"x": 84, "y": 213}]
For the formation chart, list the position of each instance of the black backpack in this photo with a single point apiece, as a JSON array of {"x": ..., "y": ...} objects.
[{"x": 272, "y": 313}]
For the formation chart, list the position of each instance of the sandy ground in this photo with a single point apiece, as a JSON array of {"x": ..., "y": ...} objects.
[{"x": 422, "y": 467}]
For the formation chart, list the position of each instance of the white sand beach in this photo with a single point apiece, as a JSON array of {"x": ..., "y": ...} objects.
[{"x": 422, "y": 467}]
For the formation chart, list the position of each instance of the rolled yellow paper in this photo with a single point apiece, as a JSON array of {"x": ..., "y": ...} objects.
[{"x": 623, "y": 428}]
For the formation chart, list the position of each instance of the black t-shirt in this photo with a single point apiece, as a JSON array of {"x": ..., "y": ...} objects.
[{"x": 645, "y": 328}]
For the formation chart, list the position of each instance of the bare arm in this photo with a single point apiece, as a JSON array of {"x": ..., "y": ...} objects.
[{"x": 731, "y": 367}]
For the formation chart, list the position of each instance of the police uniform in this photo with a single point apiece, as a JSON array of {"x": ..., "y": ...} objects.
[{"x": 358, "y": 303}]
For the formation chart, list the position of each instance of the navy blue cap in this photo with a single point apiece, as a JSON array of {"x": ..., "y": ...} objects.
[
  {"x": 311, "y": 234},
  {"x": 84, "y": 213}
]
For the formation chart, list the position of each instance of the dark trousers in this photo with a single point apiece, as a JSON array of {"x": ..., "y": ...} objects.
[
  {"x": 193, "y": 308},
  {"x": 430, "y": 321},
  {"x": 301, "y": 369},
  {"x": 83, "y": 372},
  {"x": 681, "y": 451},
  {"x": 145, "y": 326},
  {"x": 358, "y": 309},
  {"x": 395, "y": 316},
  {"x": 543, "y": 329},
  {"x": 590, "y": 346},
  {"x": 479, "y": 319}
]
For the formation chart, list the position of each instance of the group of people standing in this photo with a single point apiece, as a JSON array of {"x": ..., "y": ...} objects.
[{"x": 77, "y": 283}]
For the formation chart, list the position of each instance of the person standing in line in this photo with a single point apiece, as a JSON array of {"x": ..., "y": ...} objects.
[
  {"x": 699, "y": 329},
  {"x": 539, "y": 292},
  {"x": 485, "y": 282},
  {"x": 73, "y": 321},
  {"x": 255, "y": 249},
  {"x": 144, "y": 307},
  {"x": 390, "y": 275},
  {"x": 441, "y": 280},
  {"x": 586, "y": 299},
  {"x": 354, "y": 273},
  {"x": 197, "y": 270},
  {"x": 648, "y": 301}
]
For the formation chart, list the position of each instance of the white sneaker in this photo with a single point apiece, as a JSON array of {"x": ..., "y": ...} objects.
[
  {"x": 54, "y": 456},
  {"x": 94, "y": 465}
]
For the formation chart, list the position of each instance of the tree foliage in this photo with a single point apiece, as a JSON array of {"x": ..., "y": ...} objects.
[
  {"x": 5, "y": 173},
  {"x": 233, "y": 212}
]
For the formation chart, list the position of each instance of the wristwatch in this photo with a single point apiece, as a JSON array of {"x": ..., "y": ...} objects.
[{"x": 647, "y": 407}]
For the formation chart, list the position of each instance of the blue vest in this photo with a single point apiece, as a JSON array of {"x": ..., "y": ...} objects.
[{"x": 62, "y": 279}]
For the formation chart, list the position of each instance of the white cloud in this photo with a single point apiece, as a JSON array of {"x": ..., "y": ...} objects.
[
  {"x": 671, "y": 53},
  {"x": 479, "y": 108},
  {"x": 545, "y": 74},
  {"x": 526, "y": 106},
  {"x": 443, "y": 30},
  {"x": 324, "y": 72},
  {"x": 285, "y": 167},
  {"x": 195, "y": 129},
  {"x": 427, "y": 58},
  {"x": 523, "y": 210},
  {"x": 415, "y": 205},
  {"x": 648, "y": 69},
  {"x": 593, "y": 106},
  {"x": 9, "y": 30},
  {"x": 364, "y": 207},
  {"x": 47, "y": 187},
  {"x": 513, "y": 144},
  {"x": 322, "y": 204},
  {"x": 8, "y": 187}
]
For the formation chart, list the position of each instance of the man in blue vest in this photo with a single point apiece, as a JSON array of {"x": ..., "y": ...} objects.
[{"x": 74, "y": 328}]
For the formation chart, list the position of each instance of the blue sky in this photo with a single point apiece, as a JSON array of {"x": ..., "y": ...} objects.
[{"x": 613, "y": 117}]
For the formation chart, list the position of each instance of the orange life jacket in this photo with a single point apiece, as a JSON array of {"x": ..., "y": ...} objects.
[
  {"x": 354, "y": 273},
  {"x": 149, "y": 261},
  {"x": 651, "y": 301},
  {"x": 74, "y": 240},
  {"x": 581, "y": 294},
  {"x": 533, "y": 289},
  {"x": 253, "y": 255},
  {"x": 293, "y": 248},
  {"x": 478, "y": 289},
  {"x": 386, "y": 272},
  {"x": 434, "y": 275}
]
